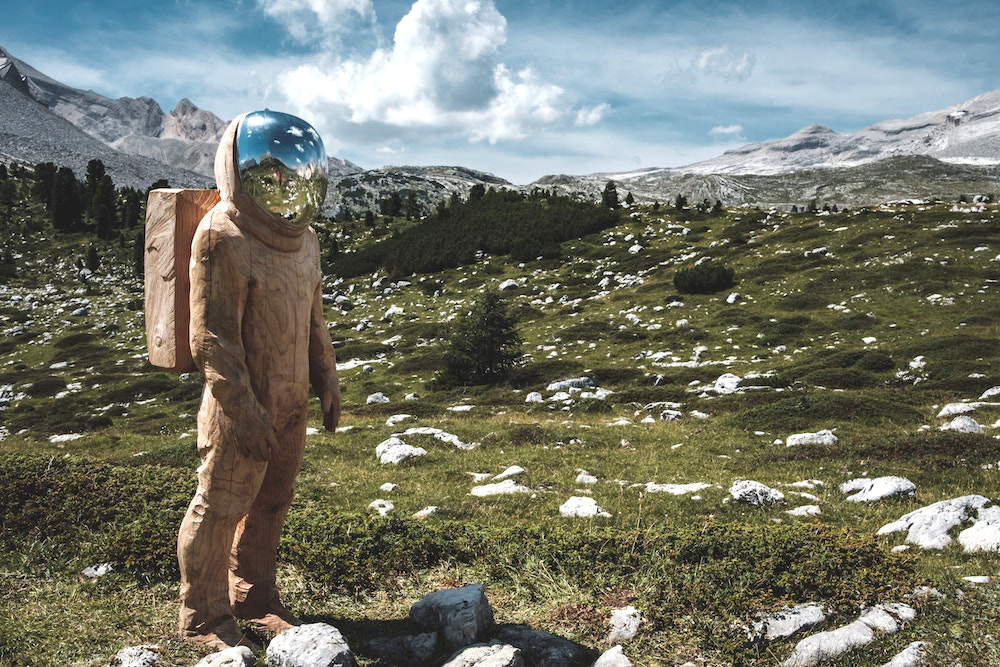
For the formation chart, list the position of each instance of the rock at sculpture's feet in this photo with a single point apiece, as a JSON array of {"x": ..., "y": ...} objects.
[
  {"x": 461, "y": 616},
  {"x": 237, "y": 656},
  {"x": 494, "y": 654},
  {"x": 137, "y": 656},
  {"x": 613, "y": 657},
  {"x": 544, "y": 650},
  {"x": 310, "y": 645},
  {"x": 411, "y": 650}
]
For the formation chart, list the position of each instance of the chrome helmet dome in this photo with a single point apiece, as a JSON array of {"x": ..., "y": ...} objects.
[{"x": 282, "y": 165}]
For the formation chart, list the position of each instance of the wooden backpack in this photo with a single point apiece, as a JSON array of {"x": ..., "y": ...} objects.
[{"x": 172, "y": 216}]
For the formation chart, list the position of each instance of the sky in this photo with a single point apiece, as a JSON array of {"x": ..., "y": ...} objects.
[{"x": 525, "y": 88}]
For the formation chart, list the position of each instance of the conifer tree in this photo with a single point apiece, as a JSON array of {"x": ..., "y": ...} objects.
[{"x": 484, "y": 345}]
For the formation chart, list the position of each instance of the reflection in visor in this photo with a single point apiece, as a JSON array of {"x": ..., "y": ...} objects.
[{"x": 282, "y": 165}]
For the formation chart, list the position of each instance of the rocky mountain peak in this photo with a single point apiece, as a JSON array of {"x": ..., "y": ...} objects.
[{"x": 189, "y": 123}]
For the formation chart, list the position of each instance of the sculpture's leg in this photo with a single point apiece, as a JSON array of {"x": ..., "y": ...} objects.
[
  {"x": 227, "y": 484},
  {"x": 255, "y": 593}
]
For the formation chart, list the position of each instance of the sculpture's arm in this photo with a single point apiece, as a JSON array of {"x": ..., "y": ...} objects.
[
  {"x": 323, "y": 364},
  {"x": 218, "y": 299}
]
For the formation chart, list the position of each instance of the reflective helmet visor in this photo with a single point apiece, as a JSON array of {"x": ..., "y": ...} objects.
[{"x": 282, "y": 165}]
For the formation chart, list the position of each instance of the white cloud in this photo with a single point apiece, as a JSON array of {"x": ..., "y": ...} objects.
[
  {"x": 727, "y": 132},
  {"x": 306, "y": 20},
  {"x": 591, "y": 116},
  {"x": 724, "y": 62},
  {"x": 441, "y": 76}
]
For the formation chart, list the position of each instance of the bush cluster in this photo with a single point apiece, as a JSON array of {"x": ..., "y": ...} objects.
[{"x": 706, "y": 278}]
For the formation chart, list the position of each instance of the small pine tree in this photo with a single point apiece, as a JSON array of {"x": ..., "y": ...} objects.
[
  {"x": 609, "y": 198},
  {"x": 484, "y": 345}
]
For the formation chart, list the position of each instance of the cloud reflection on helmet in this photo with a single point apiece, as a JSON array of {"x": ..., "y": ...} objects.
[{"x": 282, "y": 165}]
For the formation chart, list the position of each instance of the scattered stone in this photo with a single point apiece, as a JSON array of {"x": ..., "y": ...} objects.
[
  {"x": 534, "y": 397},
  {"x": 870, "y": 490},
  {"x": 787, "y": 622},
  {"x": 388, "y": 487},
  {"x": 236, "y": 656},
  {"x": 584, "y": 477},
  {"x": 928, "y": 526},
  {"x": 96, "y": 571},
  {"x": 727, "y": 383},
  {"x": 984, "y": 535},
  {"x": 411, "y": 650},
  {"x": 438, "y": 434},
  {"x": 676, "y": 489},
  {"x": 805, "y": 510},
  {"x": 425, "y": 512},
  {"x": 963, "y": 424},
  {"x": 572, "y": 383},
  {"x": 377, "y": 397},
  {"x": 506, "y": 487},
  {"x": 832, "y": 643},
  {"x": 911, "y": 656},
  {"x": 512, "y": 471},
  {"x": 381, "y": 506},
  {"x": 541, "y": 649},
  {"x": 137, "y": 656},
  {"x": 990, "y": 393},
  {"x": 613, "y": 657},
  {"x": 310, "y": 645},
  {"x": 394, "y": 451},
  {"x": 398, "y": 419},
  {"x": 953, "y": 409},
  {"x": 461, "y": 616},
  {"x": 977, "y": 580},
  {"x": 624, "y": 624},
  {"x": 582, "y": 507},
  {"x": 509, "y": 284},
  {"x": 494, "y": 654},
  {"x": 755, "y": 493},
  {"x": 824, "y": 437}
]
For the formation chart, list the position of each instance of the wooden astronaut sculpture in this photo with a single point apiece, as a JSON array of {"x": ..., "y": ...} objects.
[{"x": 258, "y": 336}]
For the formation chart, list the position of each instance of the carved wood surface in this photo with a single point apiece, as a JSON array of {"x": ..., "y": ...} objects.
[{"x": 172, "y": 215}]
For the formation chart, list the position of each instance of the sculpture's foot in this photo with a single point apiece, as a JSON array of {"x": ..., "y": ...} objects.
[
  {"x": 224, "y": 634},
  {"x": 274, "y": 620}
]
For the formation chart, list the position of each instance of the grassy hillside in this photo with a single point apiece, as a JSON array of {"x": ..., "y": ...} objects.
[{"x": 864, "y": 322}]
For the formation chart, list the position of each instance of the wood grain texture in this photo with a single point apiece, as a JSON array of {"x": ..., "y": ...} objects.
[{"x": 172, "y": 215}]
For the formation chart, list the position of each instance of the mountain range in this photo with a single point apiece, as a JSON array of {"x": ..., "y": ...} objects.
[{"x": 939, "y": 154}]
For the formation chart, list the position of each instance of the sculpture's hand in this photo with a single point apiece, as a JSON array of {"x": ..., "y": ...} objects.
[
  {"x": 256, "y": 436},
  {"x": 329, "y": 400}
]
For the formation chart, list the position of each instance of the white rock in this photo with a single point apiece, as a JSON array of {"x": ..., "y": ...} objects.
[
  {"x": 676, "y": 489},
  {"x": 733, "y": 298},
  {"x": 911, "y": 656},
  {"x": 953, "y": 409},
  {"x": 388, "y": 487},
  {"x": 493, "y": 654},
  {"x": 584, "y": 477},
  {"x": 399, "y": 419},
  {"x": 869, "y": 340},
  {"x": 613, "y": 657},
  {"x": 990, "y": 393},
  {"x": 727, "y": 383},
  {"x": 95, "y": 571},
  {"x": 824, "y": 437},
  {"x": 871, "y": 490},
  {"x": 137, "y": 656},
  {"x": 581, "y": 507},
  {"x": 425, "y": 512},
  {"x": 506, "y": 487},
  {"x": 310, "y": 645},
  {"x": 377, "y": 397},
  {"x": 394, "y": 451},
  {"x": 823, "y": 646},
  {"x": 534, "y": 397},
  {"x": 462, "y": 616},
  {"x": 805, "y": 510},
  {"x": 755, "y": 493},
  {"x": 392, "y": 311},
  {"x": 963, "y": 424},
  {"x": 507, "y": 285},
  {"x": 411, "y": 397},
  {"x": 438, "y": 434},
  {"x": 512, "y": 471},
  {"x": 981, "y": 536},
  {"x": 682, "y": 324},
  {"x": 381, "y": 506},
  {"x": 928, "y": 526},
  {"x": 572, "y": 383},
  {"x": 625, "y": 624},
  {"x": 787, "y": 622},
  {"x": 978, "y": 579},
  {"x": 236, "y": 656}
]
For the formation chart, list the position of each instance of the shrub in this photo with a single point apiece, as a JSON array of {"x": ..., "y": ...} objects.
[
  {"x": 706, "y": 278},
  {"x": 484, "y": 345}
]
